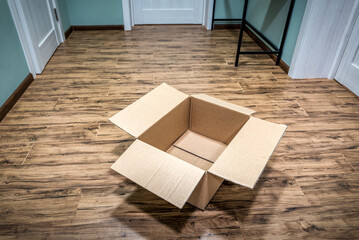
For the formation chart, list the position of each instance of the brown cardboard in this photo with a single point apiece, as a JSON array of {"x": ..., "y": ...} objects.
[
  {"x": 224, "y": 104},
  {"x": 187, "y": 145},
  {"x": 199, "y": 145},
  {"x": 244, "y": 159},
  {"x": 190, "y": 158},
  {"x": 209, "y": 183},
  {"x": 205, "y": 190},
  {"x": 163, "y": 174},
  {"x": 215, "y": 121},
  {"x": 169, "y": 128},
  {"x": 146, "y": 111},
  {"x": 185, "y": 156}
]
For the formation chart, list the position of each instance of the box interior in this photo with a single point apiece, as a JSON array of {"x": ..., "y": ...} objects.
[{"x": 195, "y": 131}]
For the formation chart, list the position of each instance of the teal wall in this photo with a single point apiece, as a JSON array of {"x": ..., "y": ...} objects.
[
  {"x": 13, "y": 66},
  {"x": 229, "y": 9},
  {"x": 268, "y": 16},
  {"x": 95, "y": 12},
  {"x": 293, "y": 30},
  {"x": 64, "y": 14}
]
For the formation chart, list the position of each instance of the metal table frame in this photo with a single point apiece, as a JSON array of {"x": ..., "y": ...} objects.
[{"x": 278, "y": 51}]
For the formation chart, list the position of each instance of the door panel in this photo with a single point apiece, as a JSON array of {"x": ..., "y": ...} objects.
[
  {"x": 352, "y": 78},
  {"x": 348, "y": 72},
  {"x": 38, "y": 17},
  {"x": 39, "y": 10},
  {"x": 47, "y": 47},
  {"x": 168, "y": 11}
]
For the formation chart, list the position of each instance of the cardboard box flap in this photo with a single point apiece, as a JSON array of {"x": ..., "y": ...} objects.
[
  {"x": 161, "y": 173},
  {"x": 225, "y": 104},
  {"x": 146, "y": 111},
  {"x": 244, "y": 159}
]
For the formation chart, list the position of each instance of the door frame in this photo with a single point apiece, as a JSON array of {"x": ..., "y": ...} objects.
[
  {"x": 128, "y": 14},
  {"x": 345, "y": 40},
  {"x": 336, "y": 37},
  {"x": 24, "y": 33},
  {"x": 351, "y": 53}
]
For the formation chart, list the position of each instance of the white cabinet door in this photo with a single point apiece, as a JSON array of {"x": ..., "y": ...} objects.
[
  {"x": 348, "y": 72},
  {"x": 38, "y": 15},
  {"x": 168, "y": 11}
]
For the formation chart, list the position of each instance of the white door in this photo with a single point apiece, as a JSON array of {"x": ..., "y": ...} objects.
[
  {"x": 348, "y": 72},
  {"x": 38, "y": 20},
  {"x": 168, "y": 11}
]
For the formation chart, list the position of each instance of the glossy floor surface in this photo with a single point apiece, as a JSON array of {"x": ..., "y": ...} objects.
[{"x": 57, "y": 145}]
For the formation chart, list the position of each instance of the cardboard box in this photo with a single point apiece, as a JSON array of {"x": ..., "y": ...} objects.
[{"x": 187, "y": 145}]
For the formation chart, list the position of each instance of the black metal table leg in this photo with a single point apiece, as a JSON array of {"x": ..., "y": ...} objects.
[
  {"x": 280, "y": 51},
  {"x": 243, "y": 23},
  {"x": 214, "y": 9}
]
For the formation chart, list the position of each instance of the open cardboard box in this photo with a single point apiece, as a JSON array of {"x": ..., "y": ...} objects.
[{"x": 187, "y": 145}]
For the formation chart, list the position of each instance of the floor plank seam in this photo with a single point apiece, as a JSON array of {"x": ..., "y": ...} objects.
[
  {"x": 349, "y": 162},
  {"x": 58, "y": 99},
  {"x": 28, "y": 153}
]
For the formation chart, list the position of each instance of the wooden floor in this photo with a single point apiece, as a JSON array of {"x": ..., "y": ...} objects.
[{"x": 57, "y": 145}]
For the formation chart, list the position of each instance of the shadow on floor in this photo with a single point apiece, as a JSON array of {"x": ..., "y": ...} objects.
[{"x": 228, "y": 208}]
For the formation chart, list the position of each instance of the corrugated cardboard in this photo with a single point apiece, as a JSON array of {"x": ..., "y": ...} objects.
[
  {"x": 163, "y": 174},
  {"x": 205, "y": 190},
  {"x": 146, "y": 111},
  {"x": 187, "y": 145},
  {"x": 244, "y": 159},
  {"x": 201, "y": 146},
  {"x": 215, "y": 121},
  {"x": 224, "y": 104}
]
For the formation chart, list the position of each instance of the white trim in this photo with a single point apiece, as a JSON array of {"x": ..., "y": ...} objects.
[
  {"x": 319, "y": 49},
  {"x": 204, "y": 13},
  {"x": 126, "y": 12},
  {"x": 22, "y": 37},
  {"x": 344, "y": 41},
  {"x": 294, "y": 70},
  {"x": 132, "y": 14},
  {"x": 58, "y": 25},
  {"x": 207, "y": 17},
  {"x": 35, "y": 57},
  {"x": 347, "y": 63}
]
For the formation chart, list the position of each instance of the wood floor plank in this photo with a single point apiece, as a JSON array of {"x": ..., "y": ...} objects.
[
  {"x": 48, "y": 133},
  {"x": 57, "y": 144}
]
